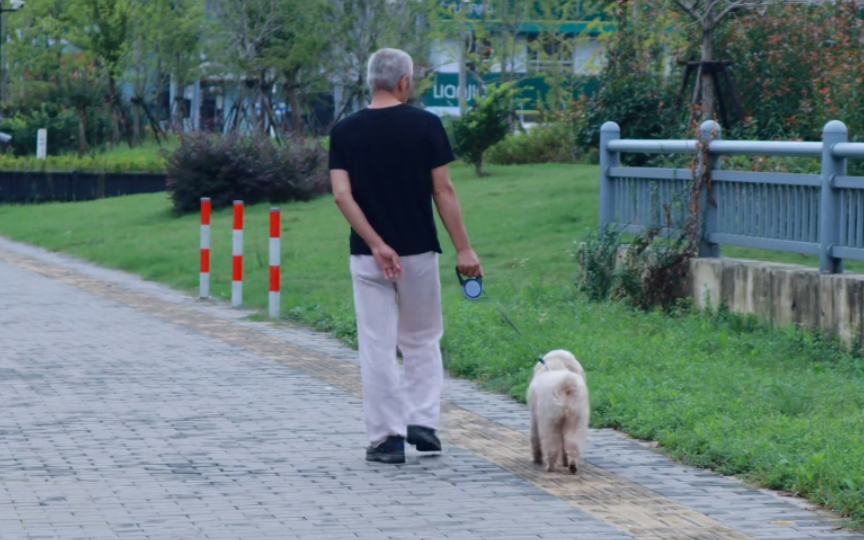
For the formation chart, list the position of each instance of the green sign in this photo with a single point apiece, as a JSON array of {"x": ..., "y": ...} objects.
[
  {"x": 473, "y": 10},
  {"x": 480, "y": 10},
  {"x": 445, "y": 90}
]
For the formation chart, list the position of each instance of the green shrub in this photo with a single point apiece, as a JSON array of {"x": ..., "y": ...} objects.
[
  {"x": 62, "y": 129},
  {"x": 654, "y": 271},
  {"x": 69, "y": 163},
  {"x": 551, "y": 143},
  {"x": 248, "y": 168},
  {"x": 649, "y": 272},
  {"x": 485, "y": 124},
  {"x": 597, "y": 259},
  {"x": 635, "y": 90},
  {"x": 644, "y": 107},
  {"x": 62, "y": 125},
  {"x": 798, "y": 67}
]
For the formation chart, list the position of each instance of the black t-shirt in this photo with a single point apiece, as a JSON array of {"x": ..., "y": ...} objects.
[{"x": 389, "y": 154}]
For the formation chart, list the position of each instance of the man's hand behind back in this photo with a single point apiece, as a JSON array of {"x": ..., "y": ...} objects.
[
  {"x": 469, "y": 264},
  {"x": 388, "y": 260}
]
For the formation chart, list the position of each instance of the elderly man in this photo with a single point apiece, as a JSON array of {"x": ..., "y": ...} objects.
[{"x": 388, "y": 163}]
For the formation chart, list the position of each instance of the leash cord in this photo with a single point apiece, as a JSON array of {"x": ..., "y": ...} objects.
[
  {"x": 524, "y": 339},
  {"x": 464, "y": 282}
]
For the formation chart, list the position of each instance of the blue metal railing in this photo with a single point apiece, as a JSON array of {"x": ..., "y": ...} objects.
[{"x": 812, "y": 214}]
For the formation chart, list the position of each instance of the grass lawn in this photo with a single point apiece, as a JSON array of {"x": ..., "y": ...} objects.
[
  {"x": 150, "y": 149},
  {"x": 777, "y": 407}
]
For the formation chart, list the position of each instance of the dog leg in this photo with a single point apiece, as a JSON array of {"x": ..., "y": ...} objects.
[
  {"x": 536, "y": 448},
  {"x": 552, "y": 457},
  {"x": 568, "y": 454},
  {"x": 553, "y": 450},
  {"x": 571, "y": 442}
]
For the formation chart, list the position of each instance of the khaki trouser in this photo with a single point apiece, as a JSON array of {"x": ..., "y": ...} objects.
[{"x": 405, "y": 312}]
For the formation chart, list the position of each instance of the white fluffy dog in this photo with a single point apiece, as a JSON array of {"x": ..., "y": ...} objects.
[{"x": 558, "y": 402}]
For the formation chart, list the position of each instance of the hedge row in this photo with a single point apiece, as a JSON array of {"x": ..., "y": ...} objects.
[{"x": 99, "y": 164}]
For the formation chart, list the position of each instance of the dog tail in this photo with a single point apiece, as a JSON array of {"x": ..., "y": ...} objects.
[{"x": 570, "y": 389}]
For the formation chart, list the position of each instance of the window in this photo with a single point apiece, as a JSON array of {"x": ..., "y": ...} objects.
[
  {"x": 481, "y": 47},
  {"x": 548, "y": 51}
]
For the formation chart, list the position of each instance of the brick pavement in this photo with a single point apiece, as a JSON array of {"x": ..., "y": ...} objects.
[{"x": 132, "y": 411}]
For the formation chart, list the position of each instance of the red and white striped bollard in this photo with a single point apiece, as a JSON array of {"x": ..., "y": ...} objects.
[
  {"x": 237, "y": 282},
  {"x": 204, "y": 285},
  {"x": 275, "y": 262}
]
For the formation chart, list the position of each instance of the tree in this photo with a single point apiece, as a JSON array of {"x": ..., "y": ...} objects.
[
  {"x": 485, "y": 35},
  {"x": 635, "y": 89},
  {"x": 806, "y": 61},
  {"x": 174, "y": 30},
  {"x": 485, "y": 124},
  {"x": 51, "y": 76},
  {"x": 248, "y": 31},
  {"x": 360, "y": 27},
  {"x": 647, "y": 35},
  {"x": 141, "y": 38},
  {"x": 299, "y": 51},
  {"x": 103, "y": 28},
  {"x": 80, "y": 88},
  {"x": 555, "y": 45},
  {"x": 35, "y": 40},
  {"x": 486, "y": 31},
  {"x": 708, "y": 15}
]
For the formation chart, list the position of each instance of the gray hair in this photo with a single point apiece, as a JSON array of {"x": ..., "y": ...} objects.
[{"x": 386, "y": 69}]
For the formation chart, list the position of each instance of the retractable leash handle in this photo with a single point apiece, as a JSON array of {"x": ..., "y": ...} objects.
[{"x": 472, "y": 288}]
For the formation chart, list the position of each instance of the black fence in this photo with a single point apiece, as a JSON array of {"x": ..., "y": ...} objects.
[{"x": 28, "y": 187}]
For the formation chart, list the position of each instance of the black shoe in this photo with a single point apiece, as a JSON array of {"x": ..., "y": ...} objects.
[
  {"x": 424, "y": 439},
  {"x": 390, "y": 451}
]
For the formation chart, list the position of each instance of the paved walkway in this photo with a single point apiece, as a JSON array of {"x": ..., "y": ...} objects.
[{"x": 131, "y": 411}]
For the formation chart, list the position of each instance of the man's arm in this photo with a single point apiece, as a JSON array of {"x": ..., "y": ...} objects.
[
  {"x": 451, "y": 214},
  {"x": 387, "y": 259}
]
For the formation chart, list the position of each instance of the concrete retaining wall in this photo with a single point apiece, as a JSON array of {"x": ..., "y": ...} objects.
[{"x": 783, "y": 294}]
